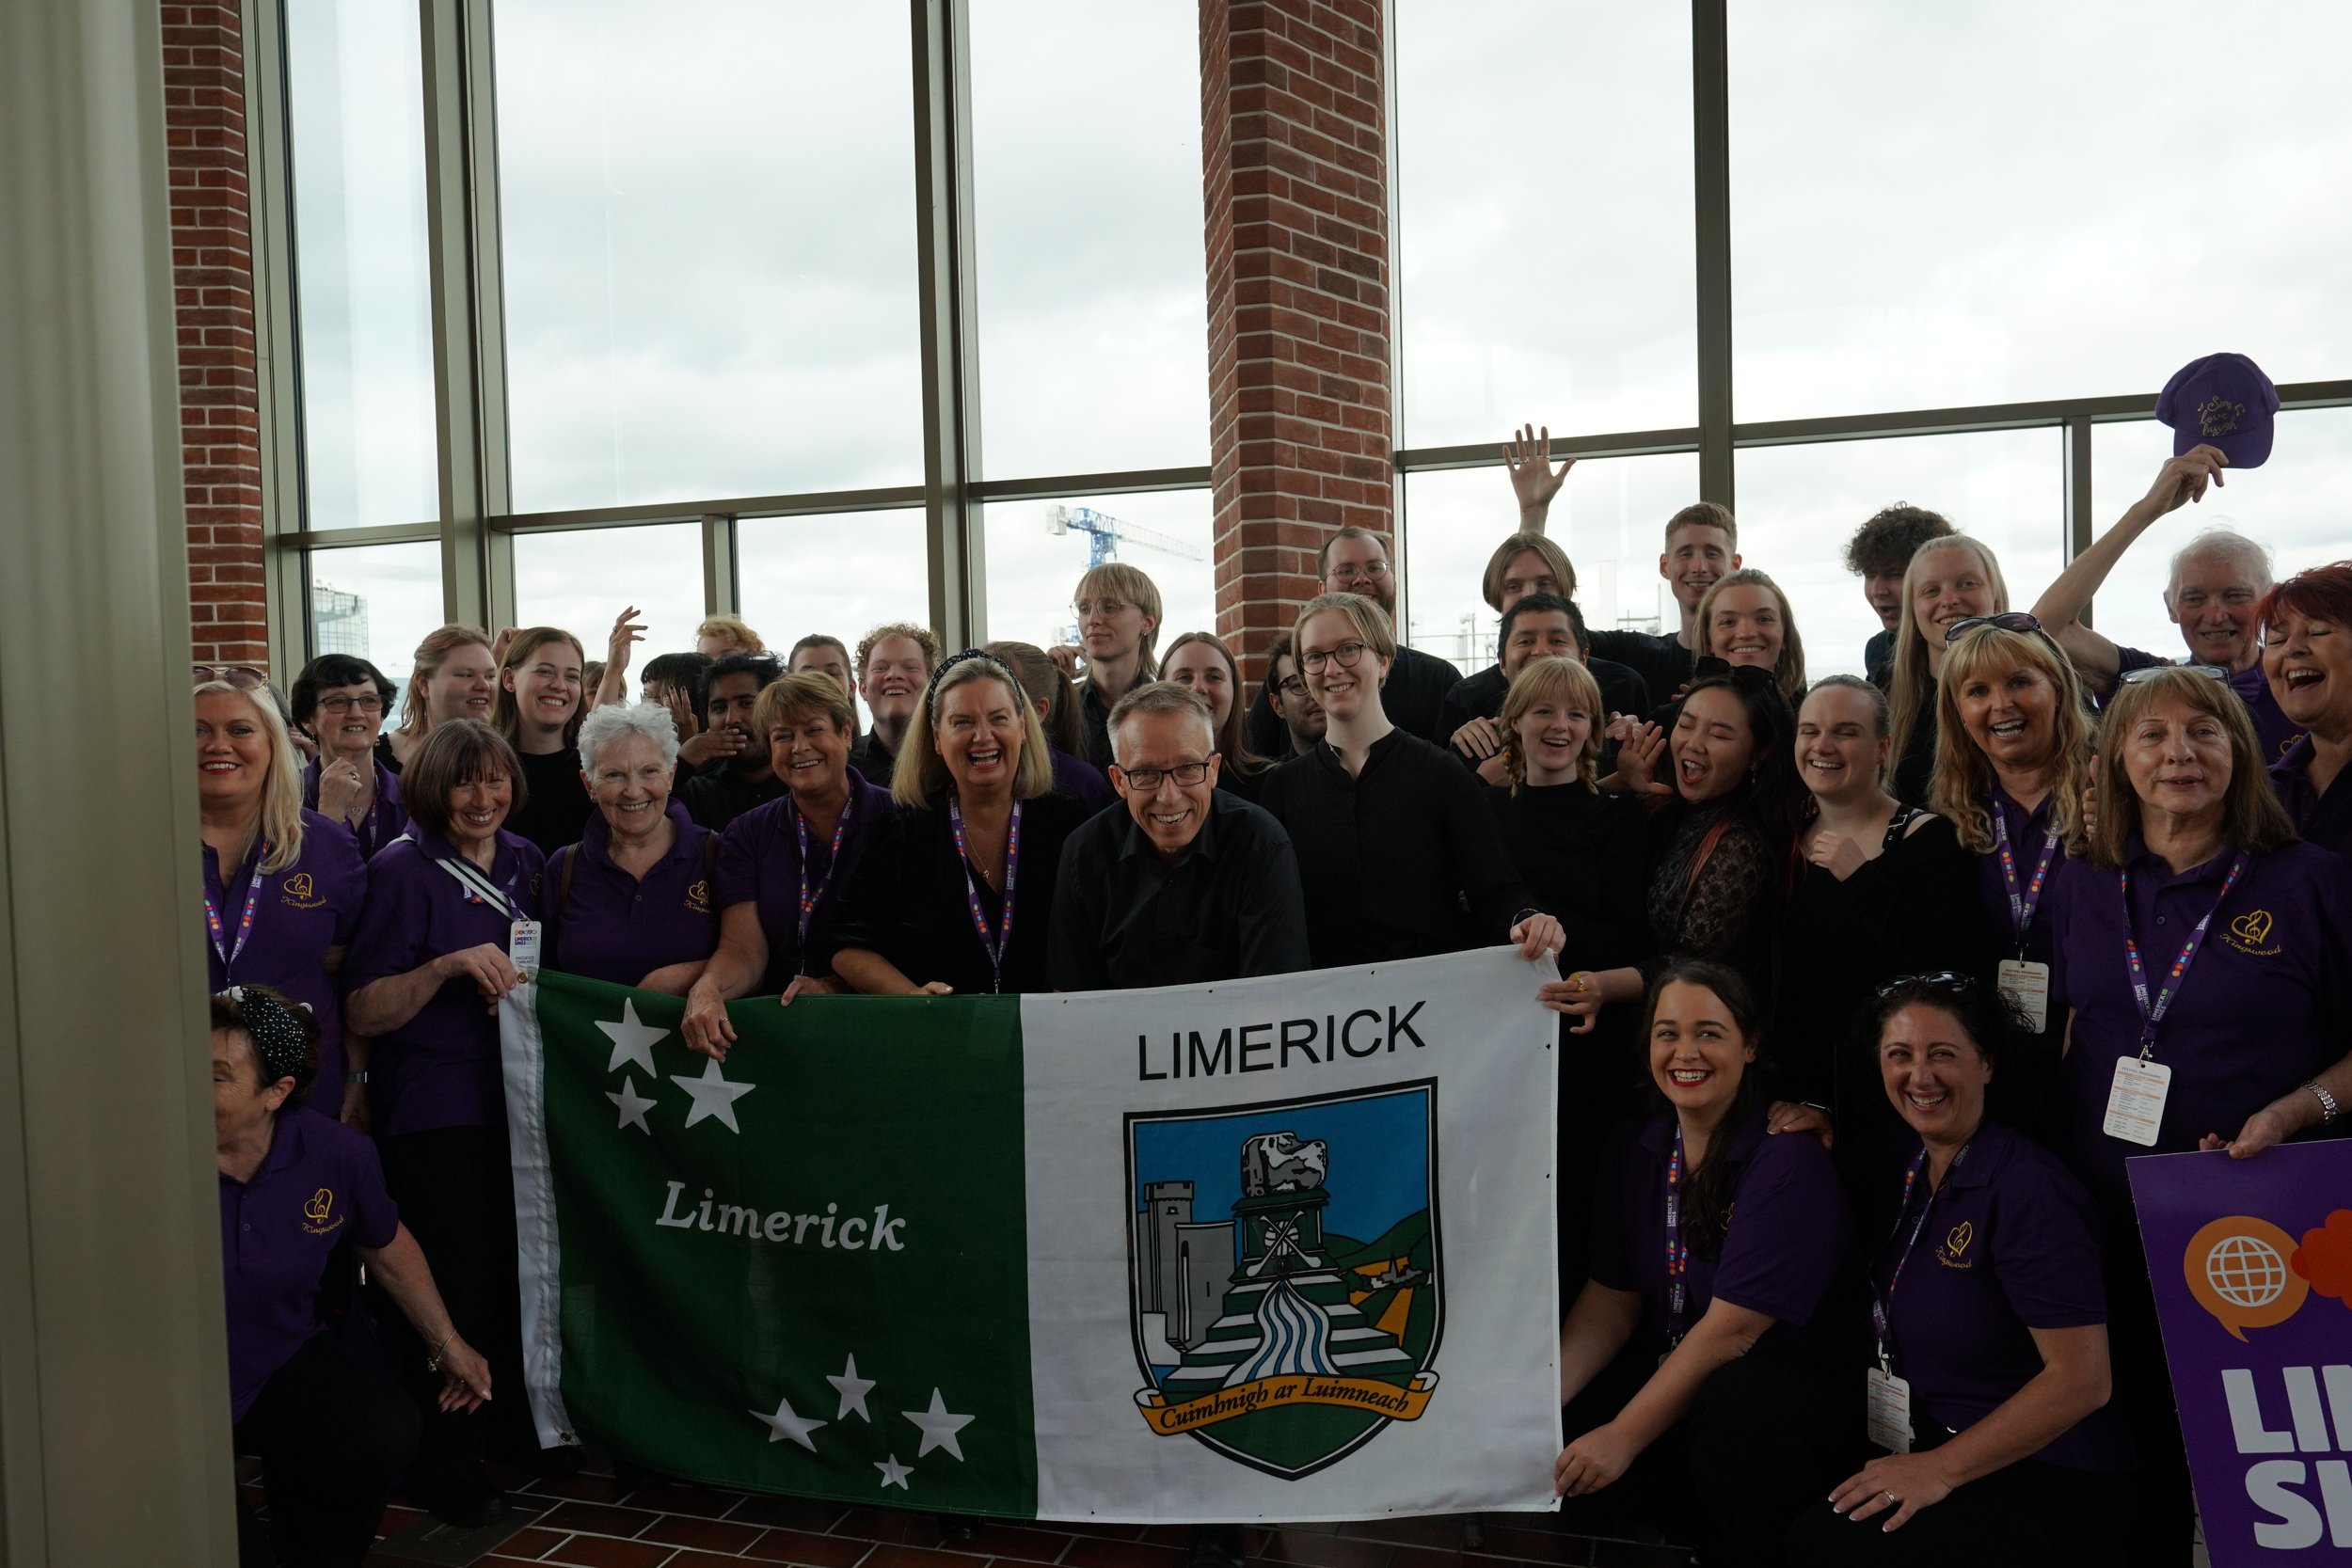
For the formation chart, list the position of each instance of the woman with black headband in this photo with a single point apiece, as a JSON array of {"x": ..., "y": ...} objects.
[
  {"x": 954, "y": 893},
  {"x": 333, "y": 1432}
]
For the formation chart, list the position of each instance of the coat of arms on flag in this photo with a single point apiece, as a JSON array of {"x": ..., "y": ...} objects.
[{"x": 1284, "y": 1272}]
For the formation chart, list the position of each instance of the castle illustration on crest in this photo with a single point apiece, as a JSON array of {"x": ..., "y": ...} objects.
[{"x": 1266, "y": 1337}]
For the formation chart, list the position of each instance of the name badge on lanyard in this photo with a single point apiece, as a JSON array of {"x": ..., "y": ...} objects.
[
  {"x": 522, "y": 947},
  {"x": 1887, "y": 1398},
  {"x": 1887, "y": 1410},
  {"x": 2024, "y": 983},
  {"x": 2026, "y": 986},
  {"x": 228, "y": 952},
  {"x": 1677, "y": 1252},
  {"x": 2135, "y": 1099}
]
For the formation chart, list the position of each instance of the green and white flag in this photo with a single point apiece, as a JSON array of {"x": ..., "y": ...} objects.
[{"x": 1276, "y": 1249}]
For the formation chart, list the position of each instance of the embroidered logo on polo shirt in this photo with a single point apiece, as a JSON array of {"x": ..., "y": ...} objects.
[
  {"x": 299, "y": 892},
  {"x": 317, "y": 1210},
  {"x": 2248, "y": 932},
  {"x": 698, "y": 897},
  {"x": 1953, "y": 1254}
]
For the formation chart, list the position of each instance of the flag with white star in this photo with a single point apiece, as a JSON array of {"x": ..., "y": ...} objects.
[{"x": 1189, "y": 1255}]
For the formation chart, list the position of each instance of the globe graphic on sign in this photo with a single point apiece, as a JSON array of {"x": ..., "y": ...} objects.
[{"x": 2246, "y": 1272}]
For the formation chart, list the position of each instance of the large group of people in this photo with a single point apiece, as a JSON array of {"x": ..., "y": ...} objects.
[{"x": 1845, "y": 968}]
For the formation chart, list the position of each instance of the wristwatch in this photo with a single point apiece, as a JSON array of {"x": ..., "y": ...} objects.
[
  {"x": 358, "y": 1077},
  {"x": 2328, "y": 1109}
]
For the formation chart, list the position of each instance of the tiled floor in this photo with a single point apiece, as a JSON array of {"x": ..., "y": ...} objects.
[{"x": 598, "y": 1521}]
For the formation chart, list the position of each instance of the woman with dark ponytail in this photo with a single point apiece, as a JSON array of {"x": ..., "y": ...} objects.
[{"x": 1715, "y": 1339}]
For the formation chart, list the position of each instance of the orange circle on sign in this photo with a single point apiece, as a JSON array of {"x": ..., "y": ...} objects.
[{"x": 2237, "y": 1268}]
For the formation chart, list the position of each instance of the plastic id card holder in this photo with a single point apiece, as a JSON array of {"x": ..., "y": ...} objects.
[
  {"x": 1886, "y": 1411},
  {"x": 2136, "y": 1103},
  {"x": 522, "y": 947},
  {"x": 2028, "y": 987}
]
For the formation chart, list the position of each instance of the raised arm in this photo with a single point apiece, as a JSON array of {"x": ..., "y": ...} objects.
[
  {"x": 2060, "y": 607},
  {"x": 1533, "y": 480},
  {"x": 627, "y": 631}
]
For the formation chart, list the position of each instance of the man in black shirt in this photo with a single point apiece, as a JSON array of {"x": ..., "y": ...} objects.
[
  {"x": 1286, "y": 689},
  {"x": 722, "y": 792},
  {"x": 1879, "y": 553},
  {"x": 1190, "y": 883},
  {"x": 894, "y": 660},
  {"x": 1536, "y": 626},
  {"x": 1353, "y": 560}
]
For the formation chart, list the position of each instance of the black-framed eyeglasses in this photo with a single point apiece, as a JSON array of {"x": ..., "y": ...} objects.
[
  {"x": 2150, "y": 671},
  {"x": 1344, "y": 656},
  {"x": 370, "y": 702},
  {"x": 1295, "y": 686},
  {"x": 2009, "y": 620},
  {"x": 1943, "y": 979},
  {"x": 1145, "y": 780}
]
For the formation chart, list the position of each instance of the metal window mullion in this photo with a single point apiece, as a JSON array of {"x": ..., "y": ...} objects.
[
  {"x": 1399, "y": 523},
  {"x": 1710, "y": 137},
  {"x": 722, "y": 587},
  {"x": 944, "y": 273},
  {"x": 2077, "y": 437},
  {"x": 276, "y": 342}
]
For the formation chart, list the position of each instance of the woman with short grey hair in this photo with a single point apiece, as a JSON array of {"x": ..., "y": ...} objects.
[{"x": 630, "y": 902}]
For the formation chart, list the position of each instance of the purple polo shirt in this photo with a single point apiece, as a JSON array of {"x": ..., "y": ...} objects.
[
  {"x": 614, "y": 927},
  {"x": 319, "y": 1185},
  {"x": 2322, "y": 819},
  {"x": 303, "y": 911},
  {"x": 440, "y": 1069},
  {"x": 1789, "y": 1251},
  {"x": 2011, "y": 1245},
  {"x": 2266, "y": 1004},
  {"x": 385, "y": 820},
  {"x": 1081, "y": 781},
  {"x": 759, "y": 863},
  {"x": 2272, "y": 727},
  {"x": 2028, "y": 831}
]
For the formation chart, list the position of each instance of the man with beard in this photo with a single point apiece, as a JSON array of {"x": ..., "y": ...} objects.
[
  {"x": 723, "y": 791},
  {"x": 893, "y": 662},
  {"x": 1286, "y": 689},
  {"x": 1353, "y": 560}
]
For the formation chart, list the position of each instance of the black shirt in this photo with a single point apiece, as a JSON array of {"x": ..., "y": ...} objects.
[
  {"x": 555, "y": 800},
  {"x": 909, "y": 899},
  {"x": 1913, "y": 910},
  {"x": 1878, "y": 659},
  {"x": 717, "y": 796},
  {"x": 1480, "y": 696},
  {"x": 1125, "y": 918},
  {"x": 872, "y": 759},
  {"x": 1663, "y": 664},
  {"x": 1913, "y": 769},
  {"x": 1389, "y": 857},
  {"x": 1094, "y": 722},
  {"x": 1582, "y": 855}
]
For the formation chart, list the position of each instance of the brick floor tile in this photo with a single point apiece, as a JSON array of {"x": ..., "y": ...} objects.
[
  {"x": 680, "y": 1496},
  {"x": 598, "y": 1519},
  {"x": 1122, "y": 1554},
  {"x": 709, "y": 1535},
  {"x": 582, "y": 1488},
  {"x": 1018, "y": 1542},
  {"x": 815, "y": 1514},
  {"x": 532, "y": 1541},
  {"x": 1314, "y": 1549},
  {"x": 1536, "y": 1545},
  {"x": 602, "y": 1551}
]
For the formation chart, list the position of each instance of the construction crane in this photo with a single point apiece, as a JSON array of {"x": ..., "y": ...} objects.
[{"x": 1106, "y": 533}]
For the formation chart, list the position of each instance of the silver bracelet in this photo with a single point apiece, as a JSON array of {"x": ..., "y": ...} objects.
[{"x": 2328, "y": 1109}]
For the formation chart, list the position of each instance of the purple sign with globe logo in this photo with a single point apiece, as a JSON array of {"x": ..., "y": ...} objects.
[{"x": 2251, "y": 1260}]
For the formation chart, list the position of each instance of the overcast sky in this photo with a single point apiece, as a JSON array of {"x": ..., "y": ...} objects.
[{"x": 708, "y": 218}]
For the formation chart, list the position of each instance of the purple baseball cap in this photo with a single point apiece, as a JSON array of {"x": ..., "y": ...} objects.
[{"x": 2222, "y": 399}]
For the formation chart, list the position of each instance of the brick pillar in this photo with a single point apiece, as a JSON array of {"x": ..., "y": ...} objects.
[
  {"x": 1295, "y": 171},
  {"x": 211, "y": 266}
]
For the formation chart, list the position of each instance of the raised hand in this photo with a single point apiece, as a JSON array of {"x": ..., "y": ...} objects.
[{"x": 1533, "y": 480}]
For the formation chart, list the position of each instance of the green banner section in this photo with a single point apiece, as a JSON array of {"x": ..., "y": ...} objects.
[{"x": 804, "y": 1271}]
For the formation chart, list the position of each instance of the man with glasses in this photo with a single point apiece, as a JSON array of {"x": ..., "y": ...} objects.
[
  {"x": 2219, "y": 579},
  {"x": 1353, "y": 560},
  {"x": 1190, "y": 884},
  {"x": 1302, "y": 716}
]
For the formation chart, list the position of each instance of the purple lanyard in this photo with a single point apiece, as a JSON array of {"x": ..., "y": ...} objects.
[
  {"x": 995, "y": 942},
  {"x": 1883, "y": 1306},
  {"x": 810, "y": 900},
  {"x": 2021, "y": 904},
  {"x": 244, "y": 923},
  {"x": 1678, "y": 1250},
  {"x": 2149, "y": 1016}
]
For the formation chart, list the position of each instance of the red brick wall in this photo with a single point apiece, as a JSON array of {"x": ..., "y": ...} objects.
[
  {"x": 1294, "y": 166},
  {"x": 211, "y": 266}
]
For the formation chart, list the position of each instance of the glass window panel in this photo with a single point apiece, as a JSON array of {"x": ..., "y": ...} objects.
[
  {"x": 356, "y": 122},
  {"x": 841, "y": 575},
  {"x": 1608, "y": 516},
  {"x": 1033, "y": 571},
  {"x": 1798, "y": 505},
  {"x": 1543, "y": 155},
  {"x": 2002, "y": 209},
  {"x": 580, "y": 579},
  {"x": 1085, "y": 175},
  {"x": 707, "y": 209},
  {"x": 377, "y": 601},
  {"x": 2292, "y": 504}
]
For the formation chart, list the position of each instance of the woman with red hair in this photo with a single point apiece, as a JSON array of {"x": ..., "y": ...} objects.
[{"x": 2307, "y": 623}]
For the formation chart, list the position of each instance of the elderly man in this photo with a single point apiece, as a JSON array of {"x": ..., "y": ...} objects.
[
  {"x": 2218, "y": 579},
  {"x": 1190, "y": 883},
  {"x": 1353, "y": 560}
]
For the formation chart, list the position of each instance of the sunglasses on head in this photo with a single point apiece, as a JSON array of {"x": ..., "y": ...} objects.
[
  {"x": 244, "y": 677},
  {"x": 1943, "y": 979},
  {"x": 1743, "y": 677},
  {"x": 2150, "y": 671},
  {"x": 2012, "y": 619}
]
